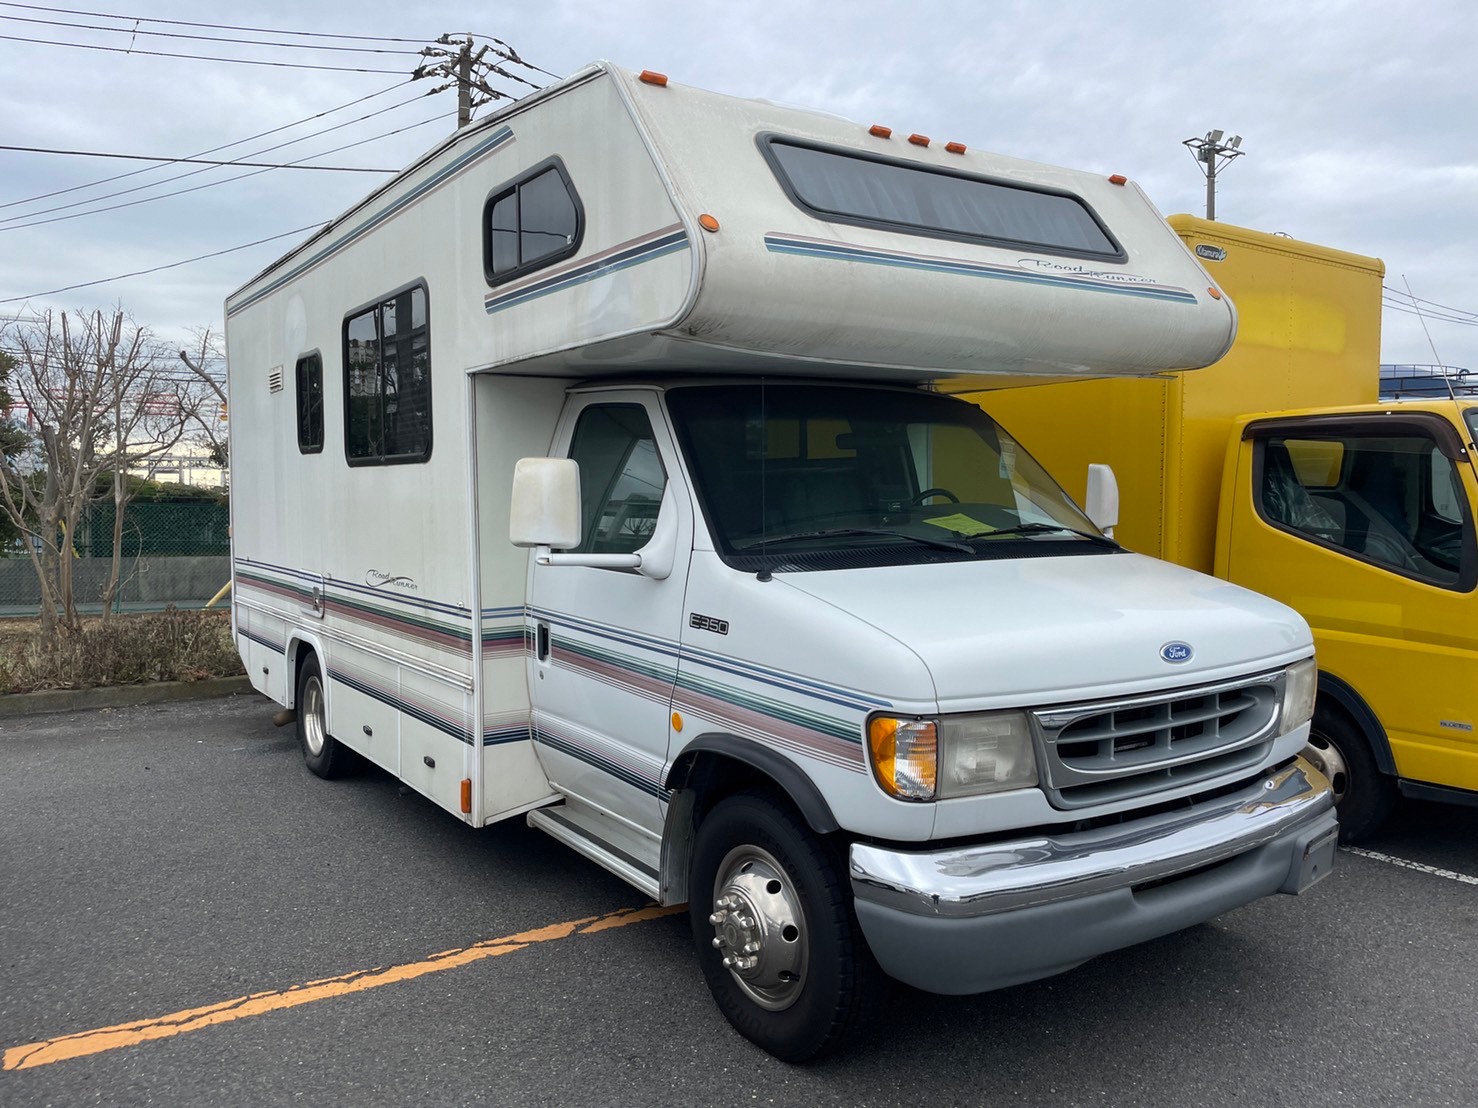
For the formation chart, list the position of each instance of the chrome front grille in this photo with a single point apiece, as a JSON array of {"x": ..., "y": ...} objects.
[{"x": 1102, "y": 751}]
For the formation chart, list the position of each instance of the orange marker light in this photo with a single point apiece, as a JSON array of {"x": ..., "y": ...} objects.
[
  {"x": 648, "y": 77},
  {"x": 1215, "y": 293},
  {"x": 467, "y": 795},
  {"x": 955, "y": 147},
  {"x": 1118, "y": 179},
  {"x": 877, "y": 130},
  {"x": 919, "y": 140},
  {"x": 707, "y": 222},
  {"x": 677, "y": 721}
]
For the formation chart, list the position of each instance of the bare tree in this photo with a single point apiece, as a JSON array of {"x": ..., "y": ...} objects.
[
  {"x": 99, "y": 404},
  {"x": 203, "y": 399}
]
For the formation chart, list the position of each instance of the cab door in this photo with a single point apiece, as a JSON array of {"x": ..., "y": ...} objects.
[
  {"x": 1365, "y": 525},
  {"x": 606, "y": 640}
]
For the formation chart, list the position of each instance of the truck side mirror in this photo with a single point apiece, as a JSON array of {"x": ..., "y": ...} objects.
[
  {"x": 546, "y": 503},
  {"x": 1103, "y": 498}
]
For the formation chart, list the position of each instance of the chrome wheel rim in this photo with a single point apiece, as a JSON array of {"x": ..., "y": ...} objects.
[
  {"x": 311, "y": 713},
  {"x": 759, "y": 928},
  {"x": 1328, "y": 760}
]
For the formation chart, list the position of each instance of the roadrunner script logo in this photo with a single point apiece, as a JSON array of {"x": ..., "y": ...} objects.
[
  {"x": 1083, "y": 271},
  {"x": 377, "y": 579},
  {"x": 1176, "y": 652}
]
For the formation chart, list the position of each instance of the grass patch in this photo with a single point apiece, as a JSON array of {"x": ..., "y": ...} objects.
[{"x": 130, "y": 649}]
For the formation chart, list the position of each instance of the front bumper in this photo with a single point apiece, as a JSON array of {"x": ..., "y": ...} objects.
[{"x": 975, "y": 918}]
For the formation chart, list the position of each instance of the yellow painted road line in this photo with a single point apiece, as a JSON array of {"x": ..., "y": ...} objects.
[{"x": 255, "y": 1004}]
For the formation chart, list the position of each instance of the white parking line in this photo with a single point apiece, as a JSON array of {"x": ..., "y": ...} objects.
[{"x": 1420, "y": 867}]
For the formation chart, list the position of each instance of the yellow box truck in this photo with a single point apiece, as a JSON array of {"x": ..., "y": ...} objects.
[{"x": 1279, "y": 470}]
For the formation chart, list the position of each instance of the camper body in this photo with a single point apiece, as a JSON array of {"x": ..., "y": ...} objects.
[
  {"x": 1279, "y": 469},
  {"x": 598, "y": 468}
]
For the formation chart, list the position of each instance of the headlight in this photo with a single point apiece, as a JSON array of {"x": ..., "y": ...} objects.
[
  {"x": 962, "y": 755},
  {"x": 1300, "y": 684}
]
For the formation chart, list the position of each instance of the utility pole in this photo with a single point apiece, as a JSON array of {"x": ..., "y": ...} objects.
[
  {"x": 464, "y": 83},
  {"x": 1213, "y": 155}
]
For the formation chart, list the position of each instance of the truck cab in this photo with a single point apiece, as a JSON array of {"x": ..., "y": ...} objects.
[{"x": 1362, "y": 518}]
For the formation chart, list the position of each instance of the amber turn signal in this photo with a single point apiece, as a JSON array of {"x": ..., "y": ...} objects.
[{"x": 648, "y": 77}]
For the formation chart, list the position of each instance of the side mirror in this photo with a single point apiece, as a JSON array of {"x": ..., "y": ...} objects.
[
  {"x": 1102, "y": 505},
  {"x": 546, "y": 503}
]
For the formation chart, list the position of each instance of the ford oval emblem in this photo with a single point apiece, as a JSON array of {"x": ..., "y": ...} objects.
[{"x": 1176, "y": 652}]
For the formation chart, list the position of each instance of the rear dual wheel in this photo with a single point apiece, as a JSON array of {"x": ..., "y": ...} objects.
[{"x": 321, "y": 751}]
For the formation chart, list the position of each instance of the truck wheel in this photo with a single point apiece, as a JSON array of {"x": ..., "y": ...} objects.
[
  {"x": 322, "y": 754},
  {"x": 1362, "y": 793},
  {"x": 779, "y": 945}
]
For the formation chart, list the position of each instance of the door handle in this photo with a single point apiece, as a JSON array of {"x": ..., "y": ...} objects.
[{"x": 541, "y": 642}]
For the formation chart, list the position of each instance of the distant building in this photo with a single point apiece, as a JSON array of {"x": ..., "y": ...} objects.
[{"x": 1397, "y": 381}]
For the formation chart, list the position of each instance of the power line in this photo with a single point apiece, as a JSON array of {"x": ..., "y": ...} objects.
[
  {"x": 14, "y": 220},
  {"x": 1393, "y": 306},
  {"x": 159, "y": 268},
  {"x": 207, "y": 184},
  {"x": 210, "y": 150},
  {"x": 1423, "y": 300},
  {"x": 136, "y": 30},
  {"x": 193, "y": 161},
  {"x": 208, "y": 26},
  {"x": 510, "y": 55},
  {"x": 197, "y": 57}
]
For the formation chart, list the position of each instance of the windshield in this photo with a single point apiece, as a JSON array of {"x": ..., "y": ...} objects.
[
  {"x": 813, "y": 476},
  {"x": 1470, "y": 416}
]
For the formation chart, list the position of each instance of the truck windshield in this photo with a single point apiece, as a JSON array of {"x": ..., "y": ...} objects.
[{"x": 822, "y": 476}]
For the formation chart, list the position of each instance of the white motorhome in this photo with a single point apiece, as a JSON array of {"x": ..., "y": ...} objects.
[{"x": 600, "y": 468}]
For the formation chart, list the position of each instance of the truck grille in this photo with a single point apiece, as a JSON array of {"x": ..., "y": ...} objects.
[{"x": 1102, "y": 751}]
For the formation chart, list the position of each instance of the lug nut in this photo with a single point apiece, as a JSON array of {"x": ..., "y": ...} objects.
[
  {"x": 718, "y": 943},
  {"x": 718, "y": 917},
  {"x": 728, "y": 963},
  {"x": 751, "y": 948}
]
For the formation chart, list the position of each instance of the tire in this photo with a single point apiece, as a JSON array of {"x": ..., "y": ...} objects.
[
  {"x": 1363, "y": 795},
  {"x": 321, "y": 752},
  {"x": 764, "y": 890}
]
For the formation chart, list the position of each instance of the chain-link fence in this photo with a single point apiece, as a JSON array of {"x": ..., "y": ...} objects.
[{"x": 173, "y": 552}]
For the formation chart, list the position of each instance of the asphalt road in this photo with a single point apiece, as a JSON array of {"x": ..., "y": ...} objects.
[{"x": 160, "y": 859}]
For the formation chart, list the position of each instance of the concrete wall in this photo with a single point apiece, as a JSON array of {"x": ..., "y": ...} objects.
[{"x": 148, "y": 583}]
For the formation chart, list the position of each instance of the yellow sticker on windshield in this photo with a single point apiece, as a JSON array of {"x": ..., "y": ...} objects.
[{"x": 961, "y": 524}]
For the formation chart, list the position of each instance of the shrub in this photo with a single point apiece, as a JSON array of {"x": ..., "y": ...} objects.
[{"x": 131, "y": 649}]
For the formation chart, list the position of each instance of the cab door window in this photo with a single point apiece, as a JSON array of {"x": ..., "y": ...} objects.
[
  {"x": 621, "y": 478},
  {"x": 1394, "y": 500}
]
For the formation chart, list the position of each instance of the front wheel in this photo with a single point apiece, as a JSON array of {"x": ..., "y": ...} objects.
[
  {"x": 1363, "y": 795},
  {"x": 777, "y": 940}
]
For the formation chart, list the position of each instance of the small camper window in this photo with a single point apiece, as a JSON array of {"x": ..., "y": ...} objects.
[
  {"x": 530, "y": 223},
  {"x": 387, "y": 381},
  {"x": 849, "y": 187},
  {"x": 310, "y": 403}
]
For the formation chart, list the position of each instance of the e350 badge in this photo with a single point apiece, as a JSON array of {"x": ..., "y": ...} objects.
[{"x": 708, "y": 623}]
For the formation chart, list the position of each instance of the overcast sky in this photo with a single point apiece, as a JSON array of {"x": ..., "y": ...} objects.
[{"x": 1359, "y": 119}]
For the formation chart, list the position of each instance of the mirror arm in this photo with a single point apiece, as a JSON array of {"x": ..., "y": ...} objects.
[{"x": 545, "y": 557}]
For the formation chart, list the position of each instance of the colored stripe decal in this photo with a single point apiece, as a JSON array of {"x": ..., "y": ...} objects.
[
  {"x": 499, "y": 138},
  {"x": 849, "y": 252},
  {"x": 647, "y": 248},
  {"x": 427, "y": 714}
]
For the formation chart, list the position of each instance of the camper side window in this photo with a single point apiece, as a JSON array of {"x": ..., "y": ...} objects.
[
  {"x": 530, "y": 223},
  {"x": 621, "y": 478},
  {"x": 310, "y": 403},
  {"x": 387, "y": 381}
]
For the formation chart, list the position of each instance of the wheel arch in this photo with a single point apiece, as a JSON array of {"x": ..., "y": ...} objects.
[
  {"x": 716, "y": 765},
  {"x": 1341, "y": 694},
  {"x": 301, "y": 644}
]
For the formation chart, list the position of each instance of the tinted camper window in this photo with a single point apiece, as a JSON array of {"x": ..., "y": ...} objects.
[
  {"x": 915, "y": 199},
  {"x": 530, "y": 223},
  {"x": 387, "y": 381},
  {"x": 310, "y": 403}
]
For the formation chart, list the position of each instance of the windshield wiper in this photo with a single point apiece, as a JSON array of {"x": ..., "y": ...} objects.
[
  {"x": 1046, "y": 529},
  {"x": 843, "y": 532}
]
